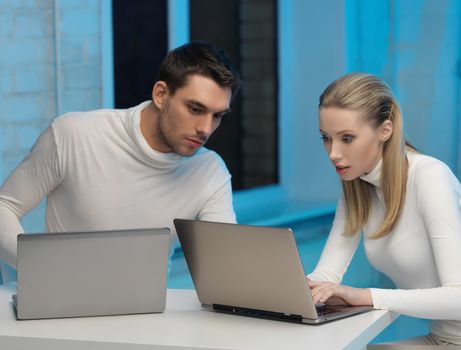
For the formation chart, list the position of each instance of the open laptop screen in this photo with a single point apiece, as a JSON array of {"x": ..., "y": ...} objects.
[{"x": 92, "y": 273}]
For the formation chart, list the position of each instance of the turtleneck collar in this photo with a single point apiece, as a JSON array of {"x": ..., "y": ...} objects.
[
  {"x": 374, "y": 177},
  {"x": 155, "y": 158}
]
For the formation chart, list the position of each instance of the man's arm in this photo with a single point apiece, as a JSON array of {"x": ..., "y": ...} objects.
[
  {"x": 219, "y": 206},
  {"x": 36, "y": 176}
]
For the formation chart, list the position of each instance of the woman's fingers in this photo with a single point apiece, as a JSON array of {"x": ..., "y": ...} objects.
[
  {"x": 334, "y": 293},
  {"x": 329, "y": 293},
  {"x": 322, "y": 291}
]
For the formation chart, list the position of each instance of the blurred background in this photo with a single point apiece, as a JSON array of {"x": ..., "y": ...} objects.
[{"x": 67, "y": 55}]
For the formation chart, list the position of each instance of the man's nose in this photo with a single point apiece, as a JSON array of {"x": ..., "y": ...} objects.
[{"x": 205, "y": 125}]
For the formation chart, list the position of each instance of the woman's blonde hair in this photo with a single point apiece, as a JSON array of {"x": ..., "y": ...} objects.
[{"x": 374, "y": 100}]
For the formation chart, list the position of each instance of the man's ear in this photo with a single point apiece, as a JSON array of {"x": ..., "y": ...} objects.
[
  {"x": 386, "y": 130},
  {"x": 159, "y": 94}
]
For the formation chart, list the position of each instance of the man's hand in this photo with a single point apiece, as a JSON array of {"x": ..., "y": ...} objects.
[{"x": 333, "y": 293}]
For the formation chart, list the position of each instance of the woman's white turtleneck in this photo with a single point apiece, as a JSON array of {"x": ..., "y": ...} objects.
[
  {"x": 422, "y": 254},
  {"x": 99, "y": 173}
]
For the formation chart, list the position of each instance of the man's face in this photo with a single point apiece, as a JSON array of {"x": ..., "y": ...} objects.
[
  {"x": 189, "y": 117},
  {"x": 352, "y": 144}
]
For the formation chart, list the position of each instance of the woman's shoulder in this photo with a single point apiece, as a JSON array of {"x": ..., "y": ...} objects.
[
  {"x": 419, "y": 161},
  {"x": 424, "y": 169}
]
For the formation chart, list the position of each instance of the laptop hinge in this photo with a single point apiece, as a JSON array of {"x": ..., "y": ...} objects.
[{"x": 257, "y": 313}]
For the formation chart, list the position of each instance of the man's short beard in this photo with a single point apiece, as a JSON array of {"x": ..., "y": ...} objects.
[{"x": 162, "y": 116}]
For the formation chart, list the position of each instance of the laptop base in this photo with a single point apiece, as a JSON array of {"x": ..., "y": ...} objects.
[{"x": 344, "y": 311}]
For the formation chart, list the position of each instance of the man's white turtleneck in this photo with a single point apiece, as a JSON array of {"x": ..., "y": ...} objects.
[
  {"x": 422, "y": 254},
  {"x": 99, "y": 173}
]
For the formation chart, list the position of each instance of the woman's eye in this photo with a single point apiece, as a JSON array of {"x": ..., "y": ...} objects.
[
  {"x": 324, "y": 138},
  {"x": 348, "y": 139}
]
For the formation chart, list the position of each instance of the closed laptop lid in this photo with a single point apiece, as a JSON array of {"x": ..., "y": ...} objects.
[
  {"x": 92, "y": 273},
  {"x": 246, "y": 266}
]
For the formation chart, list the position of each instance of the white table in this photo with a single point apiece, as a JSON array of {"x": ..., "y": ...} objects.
[{"x": 184, "y": 325}]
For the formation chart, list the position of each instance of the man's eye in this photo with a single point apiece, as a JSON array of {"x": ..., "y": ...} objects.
[{"x": 194, "y": 110}]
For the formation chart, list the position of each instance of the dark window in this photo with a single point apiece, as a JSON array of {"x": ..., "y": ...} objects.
[
  {"x": 246, "y": 30},
  {"x": 140, "y": 44}
]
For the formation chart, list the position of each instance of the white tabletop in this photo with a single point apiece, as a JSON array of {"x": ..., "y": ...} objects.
[{"x": 184, "y": 324}]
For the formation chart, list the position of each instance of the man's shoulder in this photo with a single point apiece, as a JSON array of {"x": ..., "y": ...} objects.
[
  {"x": 209, "y": 159},
  {"x": 87, "y": 123},
  {"x": 84, "y": 117},
  {"x": 206, "y": 154}
]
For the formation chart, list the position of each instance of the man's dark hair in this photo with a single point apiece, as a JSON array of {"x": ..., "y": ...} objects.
[{"x": 200, "y": 58}]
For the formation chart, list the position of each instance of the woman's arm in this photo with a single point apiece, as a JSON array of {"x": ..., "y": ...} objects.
[
  {"x": 338, "y": 251},
  {"x": 438, "y": 197}
]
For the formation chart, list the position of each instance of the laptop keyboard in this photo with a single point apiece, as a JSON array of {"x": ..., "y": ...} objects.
[{"x": 327, "y": 309}]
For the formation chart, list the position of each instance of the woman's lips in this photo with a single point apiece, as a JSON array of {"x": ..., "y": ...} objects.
[{"x": 341, "y": 170}]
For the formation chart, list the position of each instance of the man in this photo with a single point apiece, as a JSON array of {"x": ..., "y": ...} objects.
[{"x": 132, "y": 168}]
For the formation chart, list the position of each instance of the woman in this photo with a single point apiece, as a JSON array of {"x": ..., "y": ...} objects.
[{"x": 406, "y": 205}]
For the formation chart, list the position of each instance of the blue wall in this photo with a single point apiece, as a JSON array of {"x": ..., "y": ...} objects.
[{"x": 416, "y": 47}]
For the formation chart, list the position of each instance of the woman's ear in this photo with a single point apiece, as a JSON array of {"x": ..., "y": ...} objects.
[
  {"x": 386, "y": 130},
  {"x": 159, "y": 94}
]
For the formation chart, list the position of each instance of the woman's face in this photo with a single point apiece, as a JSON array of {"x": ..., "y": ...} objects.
[{"x": 353, "y": 145}]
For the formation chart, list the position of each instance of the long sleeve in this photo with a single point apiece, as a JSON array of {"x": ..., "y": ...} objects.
[
  {"x": 438, "y": 203},
  {"x": 31, "y": 181},
  {"x": 338, "y": 251}
]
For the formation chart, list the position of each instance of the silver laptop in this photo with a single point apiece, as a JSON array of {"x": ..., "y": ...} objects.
[
  {"x": 75, "y": 274},
  {"x": 252, "y": 271}
]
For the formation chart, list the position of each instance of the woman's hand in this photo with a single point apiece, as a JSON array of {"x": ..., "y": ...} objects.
[{"x": 333, "y": 293}]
